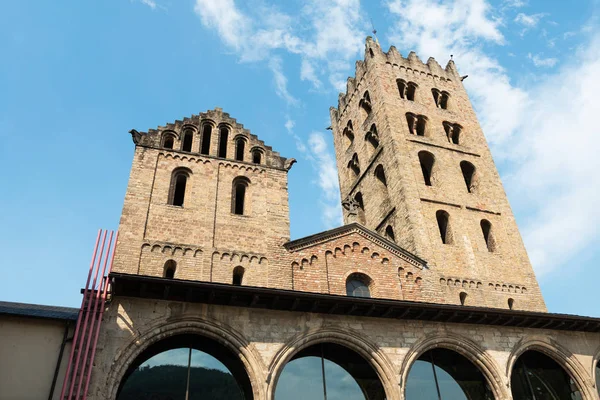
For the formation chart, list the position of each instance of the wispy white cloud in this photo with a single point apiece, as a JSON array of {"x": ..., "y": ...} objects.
[
  {"x": 275, "y": 64},
  {"x": 529, "y": 20},
  {"x": 328, "y": 179},
  {"x": 539, "y": 61},
  {"x": 152, "y": 4},
  {"x": 515, "y": 3},
  {"x": 543, "y": 133}
]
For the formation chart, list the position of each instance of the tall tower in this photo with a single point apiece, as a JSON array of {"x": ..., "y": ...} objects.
[
  {"x": 414, "y": 165},
  {"x": 206, "y": 201}
]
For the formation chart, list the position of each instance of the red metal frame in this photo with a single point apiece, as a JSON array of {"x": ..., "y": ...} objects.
[{"x": 85, "y": 338}]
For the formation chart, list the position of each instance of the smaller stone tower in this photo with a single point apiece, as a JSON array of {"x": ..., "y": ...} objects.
[
  {"x": 414, "y": 166},
  {"x": 206, "y": 201}
]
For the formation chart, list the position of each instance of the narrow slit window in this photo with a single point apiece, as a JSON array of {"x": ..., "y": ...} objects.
[
  {"x": 427, "y": 161},
  {"x": 401, "y": 88},
  {"x": 468, "y": 171},
  {"x": 238, "y": 275},
  {"x": 169, "y": 269},
  {"x": 411, "y": 120},
  {"x": 380, "y": 175},
  {"x": 463, "y": 298},
  {"x": 239, "y": 196},
  {"x": 206, "y": 133},
  {"x": 443, "y": 220},
  {"x": 178, "y": 185},
  {"x": 511, "y": 303},
  {"x": 188, "y": 137},
  {"x": 411, "y": 90},
  {"x": 421, "y": 125},
  {"x": 436, "y": 96},
  {"x": 240, "y": 147},
  {"x": 223, "y": 138},
  {"x": 486, "y": 229}
]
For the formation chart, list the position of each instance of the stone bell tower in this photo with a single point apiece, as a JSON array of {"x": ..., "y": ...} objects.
[
  {"x": 414, "y": 165},
  {"x": 206, "y": 201}
]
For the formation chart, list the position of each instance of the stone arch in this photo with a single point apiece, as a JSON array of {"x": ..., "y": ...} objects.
[
  {"x": 558, "y": 353},
  {"x": 466, "y": 348},
  {"x": 221, "y": 333},
  {"x": 595, "y": 361},
  {"x": 345, "y": 337}
]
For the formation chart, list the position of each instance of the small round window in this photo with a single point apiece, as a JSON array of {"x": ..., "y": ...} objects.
[{"x": 356, "y": 286}]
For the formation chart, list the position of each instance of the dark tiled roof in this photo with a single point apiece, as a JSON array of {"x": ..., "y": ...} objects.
[{"x": 38, "y": 311}]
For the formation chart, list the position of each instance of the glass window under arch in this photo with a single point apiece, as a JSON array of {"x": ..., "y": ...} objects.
[
  {"x": 357, "y": 286},
  {"x": 535, "y": 376},
  {"x": 443, "y": 374},
  {"x": 328, "y": 370},
  {"x": 186, "y": 367}
]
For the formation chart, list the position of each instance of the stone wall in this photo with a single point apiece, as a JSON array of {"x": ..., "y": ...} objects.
[{"x": 265, "y": 340}]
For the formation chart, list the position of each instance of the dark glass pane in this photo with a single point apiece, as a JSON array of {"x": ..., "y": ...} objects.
[
  {"x": 457, "y": 378},
  {"x": 302, "y": 379},
  {"x": 420, "y": 384},
  {"x": 162, "y": 377},
  {"x": 536, "y": 374},
  {"x": 210, "y": 379},
  {"x": 357, "y": 288}
]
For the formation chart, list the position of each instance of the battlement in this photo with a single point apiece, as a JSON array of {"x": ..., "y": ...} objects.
[
  {"x": 374, "y": 55},
  {"x": 216, "y": 119}
]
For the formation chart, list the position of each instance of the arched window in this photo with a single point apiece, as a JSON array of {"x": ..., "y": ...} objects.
[
  {"x": 348, "y": 133},
  {"x": 240, "y": 148},
  {"x": 444, "y": 98},
  {"x": 452, "y": 132},
  {"x": 188, "y": 137},
  {"x": 389, "y": 233},
  {"x": 463, "y": 298},
  {"x": 328, "y": 370},
  {"x": 357, "y": 285},
  {"x": 206, "y": 133},
  {"x": 198, "y": 366},
  {"x": 179, "y": 180},
  {"x": 380, "y": 175},
  {"x": 223, "y": 139},
  {"x": 411, "y": 90},
  {"x": 256, "y": 156},
  {"x": 354, "y": 165},
  {"x": 238, "y": 275},
  {"x": 468, "y": 171},
  {"x": 443, "y": 220},
  {"x": 359, "y": 199},
  {"x": 169, "y": 269},
  {"x": 401, "y": 88},
  {"x": 427, "y": 161},
  {"x": 365, "y": 102},
  {"x": 441, "y": 98},
  {"x": 168, "y": 141},
  {"x": 537, "y": 376},
  {"x": 444, "y": 374},
  {"x": 486, "y": 229},
  {"x": 417, "y": 124},
  {"x": 372, "y": 136},
  {"x": 511, "y": 303},
  {"x": 240, "y": 184}
]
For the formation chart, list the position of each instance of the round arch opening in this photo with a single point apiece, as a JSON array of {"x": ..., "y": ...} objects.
[
  {"x": 328, "y": 369},
  {"x": 537, "y": 376},
  {"x": 196, "y": 365},
  {"x": 597, "y": 373},
  {"x": 443, "y": 374}
]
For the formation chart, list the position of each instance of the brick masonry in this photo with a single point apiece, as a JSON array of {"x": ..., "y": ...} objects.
[{"x": 207, "y": 241}]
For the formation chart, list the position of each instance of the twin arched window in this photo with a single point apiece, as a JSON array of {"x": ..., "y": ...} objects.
[
  {"x": 417, "y": 124},
  {"x": 357, "y": 285},
  {"x": 452, "y": 132},
  {"x": 407, "y": 90},
  {"x": 354, "y": 165},
  {"x": 348, "y": 133},
  {"x": 440, "y": 98},
  {"x": 372, "y": 136}
]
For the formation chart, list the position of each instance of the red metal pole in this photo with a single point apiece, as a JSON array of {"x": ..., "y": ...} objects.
[
  {"x": 76, "y": 334},
  {"x": 95, "y": 310},
  {"x": 104, "y": 294},
  {"x": 87, "y": 315}
]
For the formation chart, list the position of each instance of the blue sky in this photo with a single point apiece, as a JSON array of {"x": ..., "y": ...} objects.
[{"x": 77, "y": 76}]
